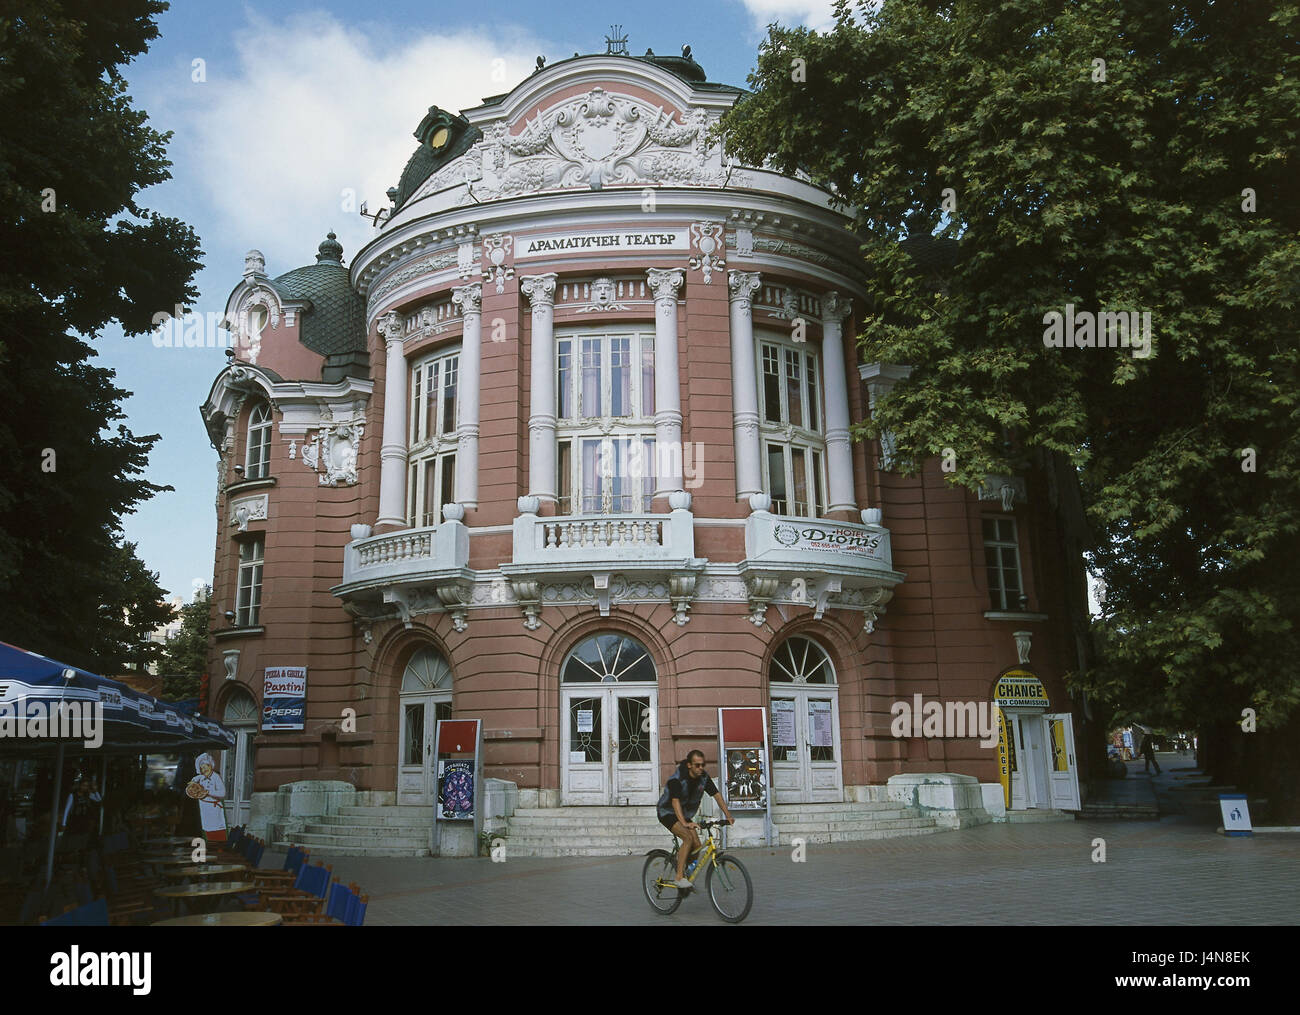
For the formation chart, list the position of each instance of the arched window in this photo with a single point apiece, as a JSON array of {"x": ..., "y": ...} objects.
[
  {"x": 257, "y": 463},
  {"x": 609, "y": 659},
  {"x": 426, "y": 698},
  {"x": 801, "y": 661}
]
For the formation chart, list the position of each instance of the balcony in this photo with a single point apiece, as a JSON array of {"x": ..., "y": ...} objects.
[{"x": 818, "y": 559}]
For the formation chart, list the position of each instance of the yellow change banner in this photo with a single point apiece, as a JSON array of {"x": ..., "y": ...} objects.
[{"x": 1019, "y": 689}]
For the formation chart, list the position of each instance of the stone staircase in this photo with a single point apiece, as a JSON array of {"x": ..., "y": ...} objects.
[
  {"x": 367, "y": 831},
  {"x": 625, "y": 831},
  {"x": 849, "y": 822}
]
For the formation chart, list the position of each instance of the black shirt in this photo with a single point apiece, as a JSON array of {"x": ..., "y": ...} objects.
[{"x": 690, "y": 791}]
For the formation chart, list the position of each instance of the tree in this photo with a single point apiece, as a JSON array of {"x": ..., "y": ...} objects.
[
  {"x": 186, "y": 655},
  {"x": 131, "y": 607},
  {"x": 1087, "y": 157},
  {"x": 76, "y": 252}
]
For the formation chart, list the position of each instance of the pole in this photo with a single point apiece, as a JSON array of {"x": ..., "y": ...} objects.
[{"x": 54, "y": 814}]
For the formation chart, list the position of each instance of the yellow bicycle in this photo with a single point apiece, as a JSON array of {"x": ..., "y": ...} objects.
[{"x": 727, "y": 881}]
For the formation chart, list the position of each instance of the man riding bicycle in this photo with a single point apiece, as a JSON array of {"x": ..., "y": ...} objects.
[{"x": 682, "y": 797}]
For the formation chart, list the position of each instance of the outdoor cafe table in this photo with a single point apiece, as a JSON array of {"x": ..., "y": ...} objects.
[
  {"x": 204, "y": 870},
  {"x": 170, "y": 840},
  {"x": 205, "y": 893},
  {"x": 223, "y": 920}
]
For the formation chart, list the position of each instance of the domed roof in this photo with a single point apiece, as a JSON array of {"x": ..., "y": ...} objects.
[{"x": 334, "y": 326}]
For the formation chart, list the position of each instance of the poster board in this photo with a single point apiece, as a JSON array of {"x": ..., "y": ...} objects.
[
  {"x": 458, "y": 751},
  {"x": 744, "y": 756}
]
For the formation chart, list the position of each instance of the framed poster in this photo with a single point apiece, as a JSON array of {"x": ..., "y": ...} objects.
[
  {"x": 746, "y": 779},
  {"x": 284, "y": 698},
  {"x": 819, "y": 724},
  {"x": 456, "y": 789},
  {"x": 782, "y": 723}
]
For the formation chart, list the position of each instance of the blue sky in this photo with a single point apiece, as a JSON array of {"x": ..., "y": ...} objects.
[{"x": 299, "y": 103}]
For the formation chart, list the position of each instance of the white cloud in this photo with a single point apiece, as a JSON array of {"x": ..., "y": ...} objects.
[
  {"x": 312, "y": 106},
  {"x": 816, "y": 14}
]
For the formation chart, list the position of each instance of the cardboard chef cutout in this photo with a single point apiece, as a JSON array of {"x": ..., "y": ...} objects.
[{"x": 208, "y": 789}]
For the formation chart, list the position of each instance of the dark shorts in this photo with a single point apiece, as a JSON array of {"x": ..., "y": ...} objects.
[{"x": 668, "y": 822}]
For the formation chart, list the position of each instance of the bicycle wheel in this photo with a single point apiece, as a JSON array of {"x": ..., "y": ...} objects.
[
  {"x": 730, "y": 889},
  {"x": 660, "y": 866}
]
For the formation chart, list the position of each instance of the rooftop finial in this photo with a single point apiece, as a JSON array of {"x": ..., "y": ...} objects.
[
  {"x": 616, "y": 42},
  {"x": 330, "y": 250}
]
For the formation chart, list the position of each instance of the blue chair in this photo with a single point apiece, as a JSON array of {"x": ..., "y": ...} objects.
[
  {"x": 307, "y": 894},
  {"x": 356, "y": 913},
  {"x": 93, "y": 915},
  {"x": 335, "y": 915}
]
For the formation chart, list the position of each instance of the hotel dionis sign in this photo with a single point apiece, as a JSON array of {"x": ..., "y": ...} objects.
[{"x": 836, "y": 542}]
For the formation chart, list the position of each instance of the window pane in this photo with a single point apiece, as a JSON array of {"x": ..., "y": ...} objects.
[
  {"x": 647, "y": 376},
  {"x": 414, "y": 722},
  {"x": 585, "y": 728},
  {"x": 428, "y": 506},
  {"x": 794, "y": 387},
  {"x": 800, "y": 482},
  {"x": 449, "y": 384},
  {"x": 620, "y": 377},
  {"x": 776, "y": 479},
  {"x": 412, "y": 479},
  {"x": 416, "y": 404},
  {"x": 990, "y": 530},
  {"x": 815, "y": 494},
  {"x": 821, "y": 736},
  {"x": 814, "y": 420},
  {"x": 430, "y": 419},
  {"x": 564, "y": 483},
  {"x": 590, "y": 493},
  {"x": 448, "y": 485},
  {"x": 649, "y": 473},
  {"x": 633, "y": 729},
  {"x": 564, "y": 402},
  {"x": 590, "y": 402},
  {"x": 771, "y": 385}
]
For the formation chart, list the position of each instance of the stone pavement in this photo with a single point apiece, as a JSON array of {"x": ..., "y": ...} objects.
[{"x": 1174, "y": 871}]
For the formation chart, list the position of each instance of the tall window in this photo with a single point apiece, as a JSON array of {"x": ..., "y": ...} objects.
[
  {"x": 431, "y": 437},
  {"x": 257, "y": 463},
  {"x": 605, "y": 409},
  {"x": 249, "y": 602},
  {"x": 794, "y": 448},
  {"x": 1002, "y": 558}
]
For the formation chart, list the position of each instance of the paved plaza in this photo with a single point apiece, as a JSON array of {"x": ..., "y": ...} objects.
[{"x": 1175, "y": 871}]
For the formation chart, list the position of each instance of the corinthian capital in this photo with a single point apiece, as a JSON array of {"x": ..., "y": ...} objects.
[
  {"x": 540, "y": 289},
  {"x": 468, "y": 297},
  {"x": 391, "y": 328},
  {"x": 741, "y": 285},
  {"x": 665, "y": 282},
  {"x": 835, "y": 307}
]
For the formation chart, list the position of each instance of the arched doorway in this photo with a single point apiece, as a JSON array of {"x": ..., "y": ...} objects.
[
  {"x": 805, "y": 717},
  {"x": 240, "y": 716},
  {"x": 425, "y": 698},
  {"x": 609, "y": 735}
]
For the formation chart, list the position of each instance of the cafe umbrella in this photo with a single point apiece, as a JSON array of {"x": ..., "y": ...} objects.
[{"x": 50, "y": 710}]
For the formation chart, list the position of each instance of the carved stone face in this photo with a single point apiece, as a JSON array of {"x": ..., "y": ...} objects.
[{"x": 602, "y": 291}]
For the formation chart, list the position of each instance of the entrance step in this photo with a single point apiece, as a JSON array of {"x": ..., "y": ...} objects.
[{"x": 367, "y": 831}]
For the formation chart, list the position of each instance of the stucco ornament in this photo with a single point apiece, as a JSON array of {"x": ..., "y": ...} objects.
[
  {"x": 498, "y": 250},
  {"x": 707, "y": 238},
  {"x": 589, "y": 141},
  {"x": 332, "y": 453}
]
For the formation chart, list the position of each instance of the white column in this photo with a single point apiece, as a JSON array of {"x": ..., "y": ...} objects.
[
  {"x": 665, "y": 282},
  {"x": 741, "y": 285},
  {"x": 470, "y": 299},
  {"x": 839, "y": 451},
  {"x": 392, "y": 452},
  {"x": 540, "y": 290}
]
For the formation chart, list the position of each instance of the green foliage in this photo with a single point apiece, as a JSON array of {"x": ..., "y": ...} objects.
[
  {"x": 76, "y": 252},
  {"x": 130, "y": 606},
  {"x": 1122, "y": 194},
  {"x": 186, "y": 655}
]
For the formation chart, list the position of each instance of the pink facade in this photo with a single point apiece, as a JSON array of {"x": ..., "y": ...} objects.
[{"x": 542, "y": 477}]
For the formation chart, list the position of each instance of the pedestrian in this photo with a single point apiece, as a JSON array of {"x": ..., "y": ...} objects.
[{"x": 1149, "y": 755}]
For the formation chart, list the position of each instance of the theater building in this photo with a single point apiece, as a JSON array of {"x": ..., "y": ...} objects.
[{"x": 566, "y": 448}]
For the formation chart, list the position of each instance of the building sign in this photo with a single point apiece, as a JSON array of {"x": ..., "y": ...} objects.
[
  {"x": 1006, "y": 758},
  {"x": 1018, "y": 688},
  {"x": 604, "y": 242},
  {"x": 284, "y": 698},
  {"x": 856, "y": 543}
]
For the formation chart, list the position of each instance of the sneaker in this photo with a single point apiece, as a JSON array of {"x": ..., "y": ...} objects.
[{"x": 683, "y": 884}]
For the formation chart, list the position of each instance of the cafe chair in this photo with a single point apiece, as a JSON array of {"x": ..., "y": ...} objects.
[
  {"x": 307, "y": 895},
  {"x": 335, "y": 911},
  {"x": 94, "y": 914}
]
